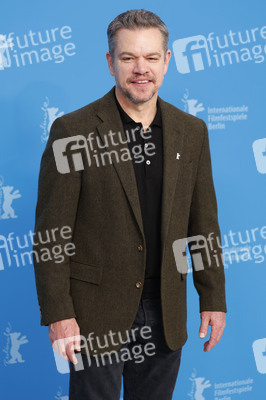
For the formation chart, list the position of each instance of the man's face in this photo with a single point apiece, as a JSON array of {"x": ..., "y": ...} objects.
[{"x": 139, "y": 63}]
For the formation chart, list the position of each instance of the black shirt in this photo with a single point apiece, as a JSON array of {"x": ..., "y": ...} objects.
[{"x": 148, "y": 167}]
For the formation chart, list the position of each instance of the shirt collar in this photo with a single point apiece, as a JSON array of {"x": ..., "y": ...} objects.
[{"x": 126, "y": 119}]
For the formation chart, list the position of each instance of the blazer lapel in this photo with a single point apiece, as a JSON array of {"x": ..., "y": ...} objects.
[
  {"x": 173, "y": 137},
  {"x": 173, "y": 140},
  {"x": 111, "y": 120}
]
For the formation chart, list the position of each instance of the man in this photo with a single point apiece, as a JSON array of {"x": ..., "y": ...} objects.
[{"x": 128, "y": 175}]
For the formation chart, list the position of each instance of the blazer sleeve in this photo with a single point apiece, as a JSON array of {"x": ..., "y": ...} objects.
[
  {"x": 209, "y": 281},
  {"x": 56, "y": 208}
]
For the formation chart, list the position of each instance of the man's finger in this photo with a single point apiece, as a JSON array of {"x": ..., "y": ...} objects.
[
  {"x": 60, "y": 348},
  {"x": 213, "y": 338},
  {"x": 220, "y": 333},
  {"x": 204, "y": 326},
  {"x": 77, "y": 342},
  {"x": 70, "y": 352}
]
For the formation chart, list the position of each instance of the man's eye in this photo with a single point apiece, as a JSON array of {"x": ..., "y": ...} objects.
[
  {"x": 127, "y": 58},
  {"x": 153, "y": 58}
]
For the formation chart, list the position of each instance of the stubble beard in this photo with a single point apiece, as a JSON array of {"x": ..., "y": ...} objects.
[{"x": 129, "y": 96}]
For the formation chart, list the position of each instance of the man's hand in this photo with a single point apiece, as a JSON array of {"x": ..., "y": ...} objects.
[
  {"x": 65, "y": 338},
  {"x": 217, "y": 321}
]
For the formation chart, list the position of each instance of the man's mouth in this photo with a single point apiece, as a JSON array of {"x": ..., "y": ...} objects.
[{"x": 142, "y": 82}]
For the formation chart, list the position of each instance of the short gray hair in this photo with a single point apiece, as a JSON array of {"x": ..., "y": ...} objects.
[{"x": 136, "y": 19}]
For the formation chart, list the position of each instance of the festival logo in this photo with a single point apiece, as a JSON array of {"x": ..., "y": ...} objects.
[
  {"x": 12, "y": 347},
  {"x": 191, "y": 105},
  {"x": 202, "y": 389},
  {"x": 49, "y": 115},
  {"x": 59, "y": 395},
  {"x": 217, "y": 118},
  {"x": 199, "y": 385},
  {"x": 7, "y": 196}
]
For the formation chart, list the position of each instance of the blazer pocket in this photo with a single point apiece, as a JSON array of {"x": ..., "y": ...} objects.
[{"x": 86, "y": 272}]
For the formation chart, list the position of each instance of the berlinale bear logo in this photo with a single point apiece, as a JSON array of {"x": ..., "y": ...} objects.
[{"x": 7, "y": 195}]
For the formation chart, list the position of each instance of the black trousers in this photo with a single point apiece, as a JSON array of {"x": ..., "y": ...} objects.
[{"x": 149, "y": 368}]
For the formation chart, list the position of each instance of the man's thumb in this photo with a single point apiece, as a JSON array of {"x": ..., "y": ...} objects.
[{"x": 203, "y": 328}]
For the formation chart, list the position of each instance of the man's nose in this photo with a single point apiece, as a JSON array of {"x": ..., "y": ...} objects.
[{"x": 140, "y": 67}]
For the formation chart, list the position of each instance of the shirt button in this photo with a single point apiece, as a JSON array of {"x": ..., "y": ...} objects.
[
  {"x": 148, "y": 162},
  {"x": 138, "y": 285},
  {"x": 146, "y": 145},
  {"x": 140, "y": 248}
]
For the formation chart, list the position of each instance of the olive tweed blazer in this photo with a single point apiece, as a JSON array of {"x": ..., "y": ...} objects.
[{"x": 100, "y": 283}]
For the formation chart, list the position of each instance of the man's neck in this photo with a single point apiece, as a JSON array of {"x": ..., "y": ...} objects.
[{"x": 143, "y": 112}]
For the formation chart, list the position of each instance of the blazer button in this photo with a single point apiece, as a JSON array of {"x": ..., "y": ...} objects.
[
  {"x": 138, "y": 285},
  {"x": 140, "y": 248}
]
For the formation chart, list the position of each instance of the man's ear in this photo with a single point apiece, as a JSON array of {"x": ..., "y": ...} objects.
[
  {"x": 166, "y": 61},
  {"x": 110, "y": 63}
]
